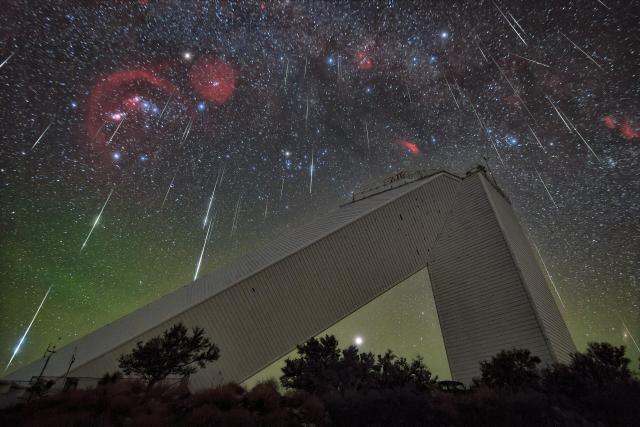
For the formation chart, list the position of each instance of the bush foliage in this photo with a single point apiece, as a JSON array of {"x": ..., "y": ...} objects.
[{"x": 325, "y": 385}]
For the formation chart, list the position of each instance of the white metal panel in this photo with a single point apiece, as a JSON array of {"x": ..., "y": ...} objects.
[
  {"x": 481, "y": 302},
  {"x": 536, "y": 282}
]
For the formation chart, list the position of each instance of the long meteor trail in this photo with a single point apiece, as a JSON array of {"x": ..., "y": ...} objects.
[
  {"x": 33, "y": 319},
  {"x": 582, "y": 51},
  {"x": 168, "y": 189},
  {"x": 116, "y": 131},
  {"x": 510, "y": 24},
  {"x": 97, "y": 220},
  {"x": 213, "y": 195},
  {"x": 547, "y": 190},
  {"x": 549, "y": 276},
  {"x": 7, "y": 60},
  {"x": 635, "y": 343},
  {"x": 311, "y": 173},
  {"x": 204, "y": 246},
  {"x": 40, "y": 137},
  {"x": 531, "y": 60}
]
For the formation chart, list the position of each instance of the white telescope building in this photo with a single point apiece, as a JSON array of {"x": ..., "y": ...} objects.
[{"x": 489, "y": 289}]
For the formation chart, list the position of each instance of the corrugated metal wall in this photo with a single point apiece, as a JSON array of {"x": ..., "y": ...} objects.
[
  {"x": 481, "y": 301},
  {"x": 260, "y": 307},
  {"x": 555, "y": 329}
]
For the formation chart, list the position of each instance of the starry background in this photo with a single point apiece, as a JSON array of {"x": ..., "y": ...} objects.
[{"x": 150, "y": 114}]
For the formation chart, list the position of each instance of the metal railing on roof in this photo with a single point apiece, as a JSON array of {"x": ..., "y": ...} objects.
[
  {"x": 397, "y": 180},
  {"x": 402, "y": 178}
]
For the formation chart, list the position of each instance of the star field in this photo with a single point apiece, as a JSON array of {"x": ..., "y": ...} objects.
[{"x": 145, "y": 143}]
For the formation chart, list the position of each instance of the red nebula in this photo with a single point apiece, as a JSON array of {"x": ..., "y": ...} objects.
[
  {"x": 610, "y": 122},
  {"x": 108, "y": 92},
  {"x": 627, "y": 128},
  {"x": 364, "y": 60},
  {"x": 411, "y": 146},
  {"x": 214, "y": 80},
  {"x": 629, "y": 132}
]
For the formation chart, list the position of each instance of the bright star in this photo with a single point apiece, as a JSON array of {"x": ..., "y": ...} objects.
[
  {"x": 202, "y": 106},
  {"x": 444, "y": 35},
  {"x": 358, "y": 340}
]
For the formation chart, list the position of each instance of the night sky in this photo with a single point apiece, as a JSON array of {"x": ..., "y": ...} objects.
[{"x": 143, "y": 143}]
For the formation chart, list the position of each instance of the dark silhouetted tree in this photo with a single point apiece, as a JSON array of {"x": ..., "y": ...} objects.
[
  {"x": 322, "y": 367},
  {"x": 513, "y": 368},
  {"x": 175, "y": 352},
  {"x": 360, "y": 388},
  {"x": 601, "y": 363},
  {"x": 315, "y": 370}
]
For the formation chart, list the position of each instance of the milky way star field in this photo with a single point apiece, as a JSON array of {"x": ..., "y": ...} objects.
[{"x": 146, "y": 143}]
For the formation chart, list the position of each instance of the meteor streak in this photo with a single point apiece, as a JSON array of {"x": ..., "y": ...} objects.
[
  {"x": 546, "y": 189},
  {"x": 572, "y": 128},
  {"x": 530, "y": 60},
  {"x": 311, "y": 173},
  {"x": 40, "y": 137},
  {"x": 635, "y": 343},
  {"x": 165, "y": 106},
  {"x": 515, "y": 21},
  {"x": 510, "y": 24},
  {"x": 486, "y": 134},
  {"x": 515, "y": 91},
  {"x": 481, "y": 51},
  {"x": 213, "y": 195},
  {"x": 33, "y": 319},
  {"x": 282, "y": 186},
  {"x": 451, "y": 92},
  {"x": 549, "y": 276},
  {"x": 7, "y": 60},
  {"x": 266, "y": 208},
  {"x": 204, "y": 246},
  {"x": 116, "y": 131},
  {"x": 582, "y": 51},
  {"x": 98, "y": 131},
  {"x": 185, "y": 133},
  {"x": 536, "y": 137},
  {"x": 236, "y": 215},
  {"x": 286, "y": 74},
  {"x": 97, "y": 220},
  {"x": 168, "y": 189},
  {"x": 559, "y": 114},
  {"x": 366, "y": 130},
  {"x": 306, "y": 114}
]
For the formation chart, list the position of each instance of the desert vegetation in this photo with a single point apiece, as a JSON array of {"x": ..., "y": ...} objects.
[{"x": 327, "y": 385}]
